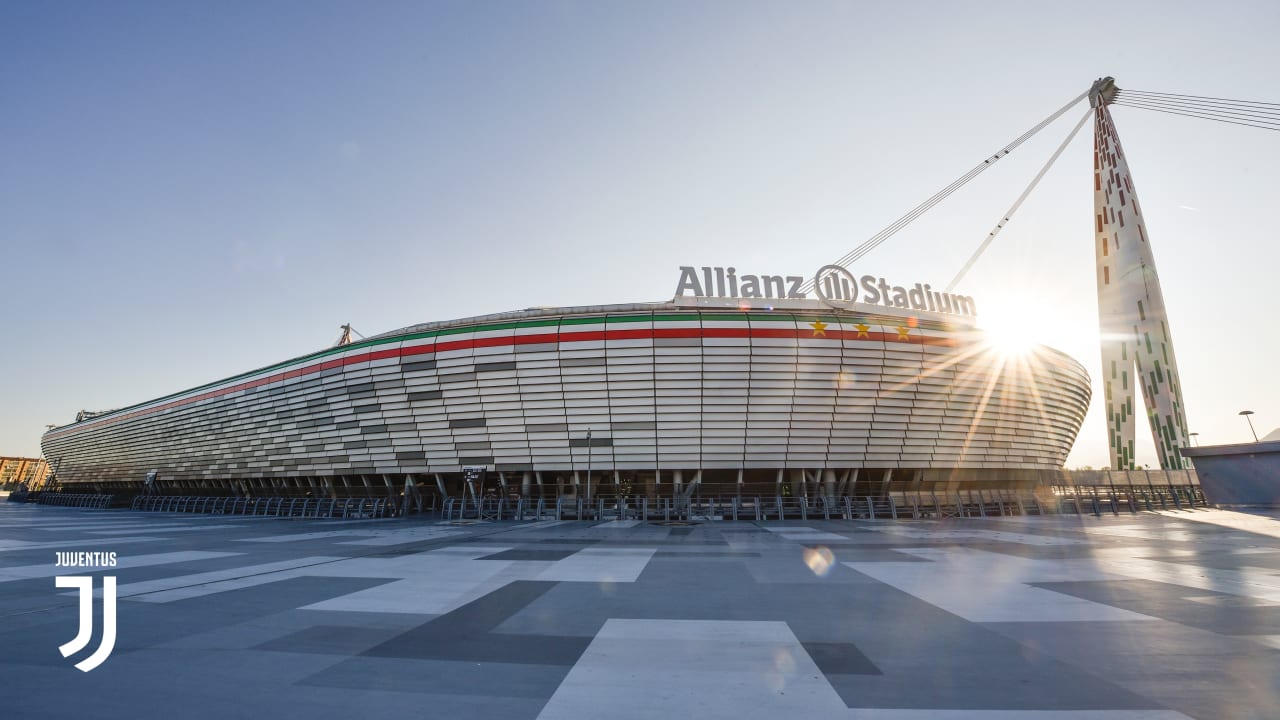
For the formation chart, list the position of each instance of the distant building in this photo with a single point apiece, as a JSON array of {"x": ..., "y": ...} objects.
[
  {"x": 31, "y": 472},
  {"x": 1243, "y": 474}
]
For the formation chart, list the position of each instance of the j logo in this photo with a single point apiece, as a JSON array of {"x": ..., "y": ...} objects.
[{"x": 81, "y": 640}]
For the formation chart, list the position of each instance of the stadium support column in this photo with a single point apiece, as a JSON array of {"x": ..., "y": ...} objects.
[
  {"x": 1137, "y": 348},
  {"x": 829, "y": 483},
  {"x": 411, "y": 495},
  {"x": 391, "y": 495}
]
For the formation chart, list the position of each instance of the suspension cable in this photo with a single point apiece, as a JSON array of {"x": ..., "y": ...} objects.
[
  {"x": 1018, "y": 203},
  {"x": 1229, "y": 111},
  {"x": 875, "y": 240},
  {"x": 1196, "y": 115},
  {"x": 1203, "y": 97},
  {"x": 1248, "y": 113},
  {"x": 1249, "y": 110}
]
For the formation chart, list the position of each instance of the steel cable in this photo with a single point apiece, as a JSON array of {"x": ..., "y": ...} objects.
[
  {"x": 875, "y": 240},
  {"x": 1247, "y": 113},
  {"x": 986, "y": 242},
  {"x": 1201, "y": 116},
  {"x": 1229, "y": 111}
]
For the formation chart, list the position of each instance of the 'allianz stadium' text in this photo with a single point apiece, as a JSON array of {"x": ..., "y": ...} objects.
[{"x": 831, "y": 288}]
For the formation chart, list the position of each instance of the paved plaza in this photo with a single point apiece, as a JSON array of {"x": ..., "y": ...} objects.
[{"x": 1154, "y": 616}]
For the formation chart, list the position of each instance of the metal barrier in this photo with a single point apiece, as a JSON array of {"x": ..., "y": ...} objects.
[
  {"x": 896, "y": 505},
  {"x": 97, "y": 502},
  {"x": 319, "y": 508},
  {"x": 1133, "y": 498}
]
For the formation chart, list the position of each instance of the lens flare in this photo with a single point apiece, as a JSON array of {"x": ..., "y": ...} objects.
[{"x": 819, "y": 559}]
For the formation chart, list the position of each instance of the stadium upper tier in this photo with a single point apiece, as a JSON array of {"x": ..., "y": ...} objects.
[{"x": 659, "y": 388}]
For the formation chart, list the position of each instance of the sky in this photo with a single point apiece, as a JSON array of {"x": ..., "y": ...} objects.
[{"x": 193, "y": 190}]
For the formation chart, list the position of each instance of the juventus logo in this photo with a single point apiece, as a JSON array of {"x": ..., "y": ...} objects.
[{"x": 85, "y": 585}]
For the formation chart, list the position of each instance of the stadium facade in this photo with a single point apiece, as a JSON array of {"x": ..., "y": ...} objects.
[{"x": 755, "y": 395}]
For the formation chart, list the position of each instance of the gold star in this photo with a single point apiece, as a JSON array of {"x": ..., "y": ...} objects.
[
  {"x": 862, "y": 331},
  {"x": 902, "y": 332},
  {"x": 819, "y": 328}
]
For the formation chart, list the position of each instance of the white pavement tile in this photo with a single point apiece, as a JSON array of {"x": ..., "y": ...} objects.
[
  {"x": 430, "y": 584},
  {"x": 181, "y": 587},
  {"x": 540, "y": 524},
  {"x": 806, "y": 534},
  {"x": 1230, "y": 601},
  {"x": 1248, "y": 581},
  {"x": 934, "y": 714},
  {"x": 12, "y": 545},
  {"x": 600, "y": 565},
  {"x": 308, "y": 536},
  {"x": 1164, "y": 532},
  {"x": 162, "y": 529},
  {"x": 983, "y": 586},
  {"x": 372, "y": 536},
  {"x": 130, "y": 526},
  {"x": 384, "y": 538},
  {"x": 705, "y": 669},
  {"x": 1268, "y": 640},
  {"x": 976, "y": 534},
  {"x": 1248, "y": 522},
  {"x": 27, "y": 572},
  {"x": 436, "y": 582}
]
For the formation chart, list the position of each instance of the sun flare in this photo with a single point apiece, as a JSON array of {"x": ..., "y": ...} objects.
[
  {"x": 1010, "y": 340},
  {"x": 1011, "y": 333}
]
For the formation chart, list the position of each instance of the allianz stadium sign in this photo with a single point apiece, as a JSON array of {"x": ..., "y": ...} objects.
[{"x": 832, "y": 284}]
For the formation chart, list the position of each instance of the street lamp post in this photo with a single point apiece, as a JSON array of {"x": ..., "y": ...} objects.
[
  {"x": 1193, "y": 437},
  {"x": 1246, "y": 414}
]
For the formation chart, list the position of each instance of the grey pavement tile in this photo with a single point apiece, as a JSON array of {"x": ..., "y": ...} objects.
[
  {"x": 464, "y": 634},
  {"x": 871, "y": 554},
  {"x": 980, "y": 672},
  {"x": 443, "y": 677},
  {"x": 330, "y": 640},
  {"x": 535, "y": 554},
  {"x": 1133, "y": 650},
  {"x": 840, "y": 659},
  {"x": 704, "y": 554},
  {"x": 1170, "y": 602},
  {"x": 262, "y": 629},
  {"x": 1200, "y": 673}
]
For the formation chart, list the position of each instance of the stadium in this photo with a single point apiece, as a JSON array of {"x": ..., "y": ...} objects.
[{"x": 726, "y": 396}]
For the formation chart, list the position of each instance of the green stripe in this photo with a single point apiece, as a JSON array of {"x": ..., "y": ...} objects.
[{"x": 641, "y": 316}]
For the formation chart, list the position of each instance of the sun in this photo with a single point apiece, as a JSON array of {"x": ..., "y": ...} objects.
[
  {"x": 1009, "y": 340},
  {"x": 1010, "y": 332}
]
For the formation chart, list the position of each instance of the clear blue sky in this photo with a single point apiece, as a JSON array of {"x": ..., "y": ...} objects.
[{"x": 191, "y": 190}]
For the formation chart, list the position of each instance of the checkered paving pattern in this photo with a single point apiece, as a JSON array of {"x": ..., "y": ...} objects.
[{"x": 1149, "y": 617}]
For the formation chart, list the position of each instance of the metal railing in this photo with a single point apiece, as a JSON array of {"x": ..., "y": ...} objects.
[
  {"x": 322, "y": 508},
  {"x": 899, "y": 505},
  {"x": 1096, "y": 499},
  {"x": 894, "y": 506},
  {"x": 75, "y": 500}
]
